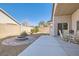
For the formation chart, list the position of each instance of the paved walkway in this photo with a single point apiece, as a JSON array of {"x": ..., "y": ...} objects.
[{"x": 44, "y": 46}]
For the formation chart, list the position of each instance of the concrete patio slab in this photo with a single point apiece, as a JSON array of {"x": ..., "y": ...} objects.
[
  {"x": 44, "y": 46},
  {"x": 70, "y": 48}
]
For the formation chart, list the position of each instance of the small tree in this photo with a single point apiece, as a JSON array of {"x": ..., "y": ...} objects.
[
  {"x": 41, "y": 23},
  {"x": 34, "y": 30}
]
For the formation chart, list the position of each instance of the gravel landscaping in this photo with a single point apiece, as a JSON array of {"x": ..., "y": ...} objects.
[{"x": 6, "y": 50}]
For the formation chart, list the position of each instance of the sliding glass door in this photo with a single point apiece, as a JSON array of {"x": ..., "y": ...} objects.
[{"x": 62, "y": 26}]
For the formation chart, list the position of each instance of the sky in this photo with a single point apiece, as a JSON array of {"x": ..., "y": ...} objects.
[{"x": 31, "y": 13}]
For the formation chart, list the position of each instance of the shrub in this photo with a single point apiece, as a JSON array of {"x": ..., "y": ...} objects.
[{"x": 23, "y": 34}]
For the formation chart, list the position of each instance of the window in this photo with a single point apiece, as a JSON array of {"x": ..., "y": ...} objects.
[
  {"x": 77, "y": 25},
  {"x": 65, "y": 26}
]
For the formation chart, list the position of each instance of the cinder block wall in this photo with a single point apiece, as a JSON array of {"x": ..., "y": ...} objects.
[{"x": 9, "y": 30}]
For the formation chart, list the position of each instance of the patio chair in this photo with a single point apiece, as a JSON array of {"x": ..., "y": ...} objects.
[
  {"x": 77, "y": 38},
  {"x": 74, "y": 38},
  {"x": 63, "y": 36}
]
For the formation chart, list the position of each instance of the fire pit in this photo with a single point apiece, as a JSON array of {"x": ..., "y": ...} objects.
[
  {"x": 22, "y": 38},
  {"x": 18, "y": 41}
]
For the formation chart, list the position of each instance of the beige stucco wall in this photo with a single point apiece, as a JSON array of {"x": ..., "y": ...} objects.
[
  {"x": 5, "y": 19},
  {"x": 8, "y": 27},
  {"x": 27, "y": 29},
  {"x": 9, "y": 30},
  {"x": 44, "y": 30},
  {"x": 75, "y": 18},
  {"x": 61, "y": 19}
]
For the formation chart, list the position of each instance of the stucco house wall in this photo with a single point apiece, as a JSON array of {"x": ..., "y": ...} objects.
[
  {"x": 70, "y": 19},
  {"x": 61, "y": 19},
  {"x": 9, "y": 30},
  {"x": 8, "y": 27},
  {"x": 65, "y": 14},
  {"x": 5, "y": 18},
  {"x": 75, "y": 18}
]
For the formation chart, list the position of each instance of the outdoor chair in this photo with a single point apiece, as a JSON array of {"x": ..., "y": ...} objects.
[
  {"x": 74, "y": 38},
  {"x": 63, "y": 36},
  {"x": 71, "y": 36},
  {"x": 77, "y": 38}
]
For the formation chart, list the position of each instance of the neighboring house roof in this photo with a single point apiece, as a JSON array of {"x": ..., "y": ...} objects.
[{"x": 8, "y": 15}]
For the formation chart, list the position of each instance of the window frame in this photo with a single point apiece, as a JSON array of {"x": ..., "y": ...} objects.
[
  {"x": 65, "y": 26},
  {"x": 77, "y": 25}
]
